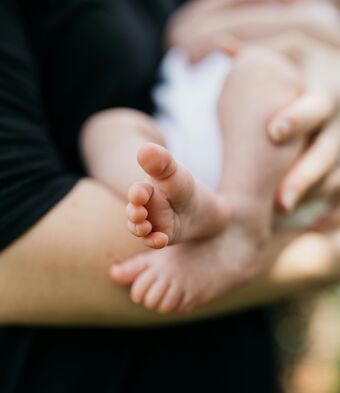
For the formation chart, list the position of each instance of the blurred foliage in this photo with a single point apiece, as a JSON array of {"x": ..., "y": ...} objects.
[{"x": 308, "y": 336}]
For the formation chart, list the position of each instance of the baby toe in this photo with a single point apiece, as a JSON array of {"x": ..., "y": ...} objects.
[
  {"x": 187, "y": 304},
  {"x": 141, "y": 286},
  {"x": 155, "y": 294},
  {"x": 140, "y": 193},
  {"x": 140, "y": 230},
  {"x": 136, "y": 214},
  {"x": 127, "y": 272},
  {"x": 156, "y": 240},
  {"x": 171, "y": 299},
  {"x": 156, "y": 161}
]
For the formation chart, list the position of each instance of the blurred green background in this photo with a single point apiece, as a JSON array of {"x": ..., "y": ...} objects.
[{"x": 307, "y": 332}]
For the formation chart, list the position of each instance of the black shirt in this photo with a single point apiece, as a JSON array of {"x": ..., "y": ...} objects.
[{"x": 60, "y": 62}]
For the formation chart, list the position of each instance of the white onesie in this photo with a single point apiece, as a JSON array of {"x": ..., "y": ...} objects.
[{"x": 186, "y": 102}]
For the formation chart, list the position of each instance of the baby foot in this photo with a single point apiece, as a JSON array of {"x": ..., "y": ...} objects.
[
  {"x": 173, "y": 207},
  {"x": 182, "y": 277}
]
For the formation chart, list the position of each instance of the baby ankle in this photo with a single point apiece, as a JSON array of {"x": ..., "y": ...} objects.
[{"x": 254, "y": 215}]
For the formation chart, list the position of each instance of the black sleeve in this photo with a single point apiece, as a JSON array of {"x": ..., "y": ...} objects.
[{"x": 32, "y": 178}]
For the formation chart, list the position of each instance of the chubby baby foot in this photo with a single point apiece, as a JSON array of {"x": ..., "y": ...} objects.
[
  {"x": 182, "y": 277},
  {"x": 172, "y": 206}
]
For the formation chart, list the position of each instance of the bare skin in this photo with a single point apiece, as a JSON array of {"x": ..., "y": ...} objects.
[
  {"x": 56, "y": 274},
  {"x": 169, "y": 284},
  {"x": 178, "y": 279},
  {"x": 311, "y": 38},
  {"x": 171, "y": 207}
]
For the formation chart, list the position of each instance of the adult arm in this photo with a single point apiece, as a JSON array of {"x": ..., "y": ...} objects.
[{"x": 57, "y": 273}]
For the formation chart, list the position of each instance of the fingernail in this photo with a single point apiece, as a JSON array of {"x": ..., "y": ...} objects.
[
  {"x": 280, "y": 130},
  {"x": 289, "y": 198}
]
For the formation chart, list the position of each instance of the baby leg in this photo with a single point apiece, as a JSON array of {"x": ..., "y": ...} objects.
[
  {"x": 259, "y": 84},
  {"x": 109, "y": 144},
  {"x": 170, "y": 205}
]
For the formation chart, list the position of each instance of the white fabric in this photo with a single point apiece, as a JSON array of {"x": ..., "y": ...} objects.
[{"x": 186, "y": 101}]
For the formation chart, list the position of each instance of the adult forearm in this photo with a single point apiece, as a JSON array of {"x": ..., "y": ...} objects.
[{"x": 57, "y": 272}]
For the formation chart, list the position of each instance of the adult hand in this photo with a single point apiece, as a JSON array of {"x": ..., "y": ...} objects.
[
  {"x": 317, "y": 110},
  {"x": 201, "y": 27},
  {"x": 312, "y": 40}
]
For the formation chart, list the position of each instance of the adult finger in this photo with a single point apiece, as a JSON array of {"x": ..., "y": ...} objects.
[
  {"x": 228, "y": 45},
  {"x": 330, "y": 186},
  {"x": 303, "y": 116},
  {"x": 314, "y": 165}
]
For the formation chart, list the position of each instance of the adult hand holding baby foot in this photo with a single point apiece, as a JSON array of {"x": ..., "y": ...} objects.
[
  {"x": 308, "y": 33},
  {"x": 315, "y": 111}
]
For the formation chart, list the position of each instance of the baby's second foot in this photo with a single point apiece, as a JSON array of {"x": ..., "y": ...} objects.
[
  {"x": 173, "y": 207},
  {"x": 180, "y": 278}
]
